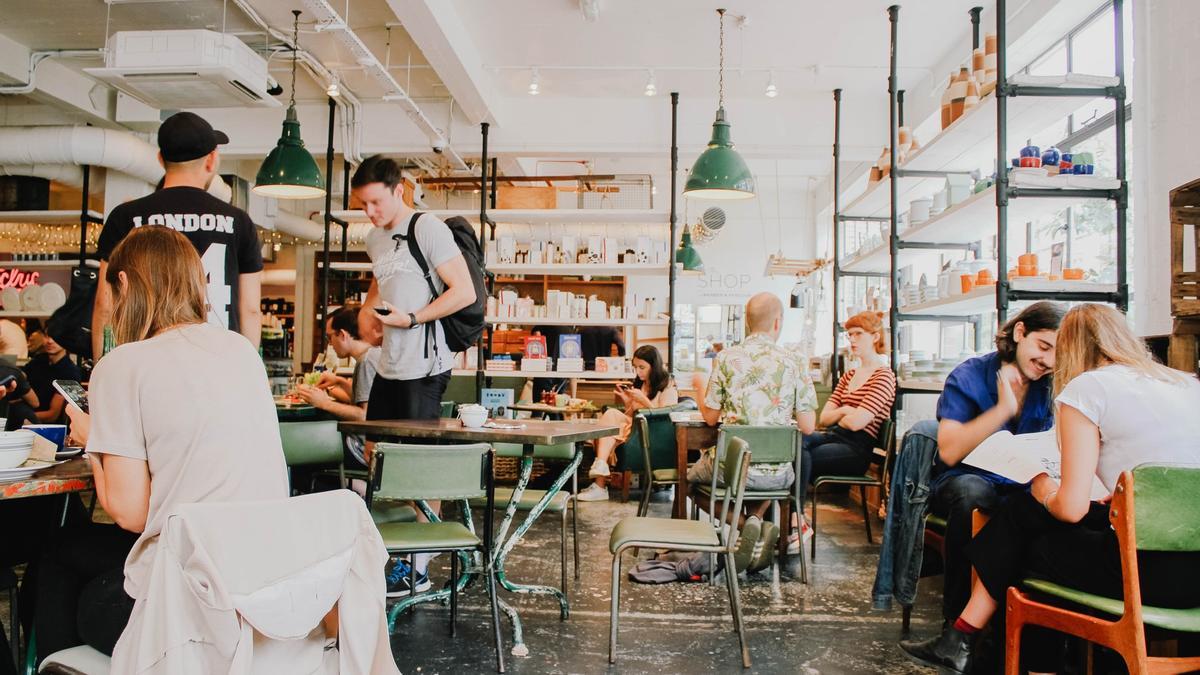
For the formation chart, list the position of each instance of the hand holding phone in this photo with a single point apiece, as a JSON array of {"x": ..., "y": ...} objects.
[
  {"x": 74, "y": 392},
  {"x": 7, "y": 380}
]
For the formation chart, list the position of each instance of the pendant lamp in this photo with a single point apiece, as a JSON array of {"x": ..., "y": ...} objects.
[
  {"x": 720, "y": 172},
  {"x": 290, "y": 172},
  {"x": 687, "y": 256}
]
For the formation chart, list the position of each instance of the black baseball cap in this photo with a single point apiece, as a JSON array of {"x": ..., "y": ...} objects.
[{"x": 186, "y": 136}]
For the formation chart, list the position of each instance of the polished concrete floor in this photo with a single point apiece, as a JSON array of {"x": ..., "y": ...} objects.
[{"x": 823, "y": 627}]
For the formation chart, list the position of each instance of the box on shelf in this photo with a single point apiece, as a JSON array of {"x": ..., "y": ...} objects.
[
  {"x": 610, "y": 364},
  {"x": 535, "y": 348},
  {"x": 569, "y": 365},
  {"x": 536, "y": 365},
  {"x": 495, "y": 398}
]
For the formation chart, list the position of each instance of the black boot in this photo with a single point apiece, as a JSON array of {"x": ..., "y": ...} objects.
[{"x": 950, "y": 650}]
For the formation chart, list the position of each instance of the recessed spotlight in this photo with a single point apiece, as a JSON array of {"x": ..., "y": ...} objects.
[
  {"x": 651, "y": 86},
  {"x": 535, "y": 85},
  {"x": 772, "y": 90},
  {"x": 333, "y": 91}
]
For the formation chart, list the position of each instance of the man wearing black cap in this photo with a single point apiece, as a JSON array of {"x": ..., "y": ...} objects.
[{"x": 223, "y": 234}]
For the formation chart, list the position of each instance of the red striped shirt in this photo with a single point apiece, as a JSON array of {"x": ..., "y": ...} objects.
[{"x": 875, "y": 395}]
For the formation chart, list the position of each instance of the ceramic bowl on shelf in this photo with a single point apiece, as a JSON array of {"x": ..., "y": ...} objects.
[
  {"x": 1031, "y": 151},
  {"x": 10, "y": 299},
  {"x": 31, "y": 298},
  {"x": 1031, "y": 162}
]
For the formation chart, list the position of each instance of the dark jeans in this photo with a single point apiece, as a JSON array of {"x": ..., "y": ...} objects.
[
  {"x": 80, "y": 591},
  {"x": 954, "y": 498},
  {"x": 834, "y": 452},
  {"x": 1022, "y": 539},
  {"x": 419, "y": 399}
]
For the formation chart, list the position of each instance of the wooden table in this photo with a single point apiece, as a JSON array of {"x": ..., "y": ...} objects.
[
  {"x": 73, "y": 475},
  {"x": 534, "y": 433},
  {"x": 552, "y": 411},
  {"x": 691, "y": 433}
]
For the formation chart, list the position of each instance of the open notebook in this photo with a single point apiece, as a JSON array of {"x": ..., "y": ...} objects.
[{"x": 1021, "y": 457}]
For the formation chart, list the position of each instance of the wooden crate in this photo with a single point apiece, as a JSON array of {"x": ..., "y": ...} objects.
[{"x": 1185, "y": 250}]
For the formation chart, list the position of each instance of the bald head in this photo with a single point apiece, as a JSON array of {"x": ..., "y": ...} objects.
[{"x": 764, "y": 313}]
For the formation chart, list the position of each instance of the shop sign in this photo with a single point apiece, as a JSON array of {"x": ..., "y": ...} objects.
[{"x": 11, "y": 277}]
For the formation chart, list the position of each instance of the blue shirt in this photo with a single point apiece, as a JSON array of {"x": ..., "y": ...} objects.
[{"x": 970, "y": 391}]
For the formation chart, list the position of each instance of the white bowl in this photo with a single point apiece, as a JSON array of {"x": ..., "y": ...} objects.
[
  {"x": 13, "y": 457},
  {"x": 473, "y": 419}
]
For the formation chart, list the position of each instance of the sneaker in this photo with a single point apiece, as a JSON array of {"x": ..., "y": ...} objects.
[
  {"x": 748, "y": 539},
  {"x": 398, "y": 581},
  {"x": 599, "y": 468},
  {"x": 794, "y": 543},
  {"x": 806, "y": 531},
  {"x": 593, "y": 493},
  {"x": 764, "y": 550}
]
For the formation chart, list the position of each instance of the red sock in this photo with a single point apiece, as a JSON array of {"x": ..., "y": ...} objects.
[{"x": 962, "y": 626}]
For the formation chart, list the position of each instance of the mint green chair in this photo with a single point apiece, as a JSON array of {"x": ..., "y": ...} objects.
[
  {"x": 418, "y": 473},
  {"x": 689, "y": 535},
  {"x": 1154, "y": 508},
  {"x": 885, "y": 440},
  {"x": 650, "y": 451},
  {"x": 317, "y": 444}
]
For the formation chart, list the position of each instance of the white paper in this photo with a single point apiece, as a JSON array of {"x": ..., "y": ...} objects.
[{"x": 1021, "y": 457}]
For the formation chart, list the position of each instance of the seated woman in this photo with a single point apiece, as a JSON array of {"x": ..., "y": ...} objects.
[
  {"x": 181, "y": 412},
  {"x": 860, "y": 403},
  {"x": 1117, "y": 408},
  {"x": 652, "y": 388}
]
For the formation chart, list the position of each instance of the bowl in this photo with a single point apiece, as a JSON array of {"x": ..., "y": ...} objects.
[
  {"x": 472, "y": 419},
  {"x": 11, "y": 458}
]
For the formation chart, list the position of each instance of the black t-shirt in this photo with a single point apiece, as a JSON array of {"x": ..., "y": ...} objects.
[
  {"x": 42, "y": 374},
  {"x": 223, "y": 235},
  {"x": 22, "y": 382}
]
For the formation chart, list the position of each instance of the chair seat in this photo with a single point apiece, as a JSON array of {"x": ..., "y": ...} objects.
[
  {"x": 82, "y": 659},
  {"x": 1160, "y": 617},
  {"x": 751, "y": 495},
  {"x": 529, "y": 499},
  {"x": 935, "y": 522},
  {"x": 664, "y": 475},
  {"x": 861, "y": 479},
  {"x": 392, "y": 512},
  {"x": 426, "y": 536},
  {"x": 664, "y": 532}
]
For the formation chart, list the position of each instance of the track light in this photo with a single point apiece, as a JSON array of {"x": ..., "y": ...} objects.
[
  {"x": 333, "y": 91},
  {"x": 535, "y": 85},
  {"x": 651, "y": 86},
  {"x": 772, "y": 90}
]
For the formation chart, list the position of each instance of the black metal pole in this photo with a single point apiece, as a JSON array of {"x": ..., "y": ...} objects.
[
  {"x": 83, "y": 219},
  {"x": 1123, "y": 198},
  {"x": 671, "y": 274},
  {"x": 1001, "y": 165},
  {"x": 894, "y": 236},
  {"x": 495, "y": 182},
  {"x": 483, "y": 207},
  {"x": 834, "y": 366},
  {"x": 328, "y": 223},
  {"x": 975, "y": 12},
  {"x": 345, "y": 223},
  {"x": 900, "y": 106}
]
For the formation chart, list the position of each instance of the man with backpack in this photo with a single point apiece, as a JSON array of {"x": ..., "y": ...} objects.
[{"x": 424, "y": 285}]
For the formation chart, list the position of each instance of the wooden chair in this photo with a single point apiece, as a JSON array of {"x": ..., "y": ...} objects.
[
  {"x": 1154, "y": 508},
  {"x": 886, "y": 440}
]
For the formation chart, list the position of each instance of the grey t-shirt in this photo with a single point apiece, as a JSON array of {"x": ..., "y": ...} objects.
[
  {"x": 364, "y": 375},
  {"x": 404, "y": 355}
]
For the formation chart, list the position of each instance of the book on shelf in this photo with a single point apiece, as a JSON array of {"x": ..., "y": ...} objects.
[
  {"x": 570, "y": 346},
  {"x": 610, "y": 364},
  {"x": 535, "y": 347},
  {"x": 1020, "y": 457},
  {"x": 500, "y": 364},
  {"x": 536, "y": 365},
  {"x": 566, "y": 365}
]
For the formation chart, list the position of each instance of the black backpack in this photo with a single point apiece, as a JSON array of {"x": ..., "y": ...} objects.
[
  {"x": 464, "y": 327},
  {"x": 71, "y": 324}
]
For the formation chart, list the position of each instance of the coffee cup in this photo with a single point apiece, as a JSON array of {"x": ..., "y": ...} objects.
[
  {"x": 55, "y": 433},
  {"x": 472, "y": 415}
]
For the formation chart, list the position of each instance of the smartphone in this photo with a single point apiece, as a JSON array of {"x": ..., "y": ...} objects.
[
  {"x": 74, "y": 392},
  {"x": 7, "y": 380},
  {"x": 382, "y": 311}
]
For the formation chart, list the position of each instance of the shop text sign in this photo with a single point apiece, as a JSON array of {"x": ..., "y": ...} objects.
[
  {"x": 11, "y": 277},
  {"x": 716, "y": 284}
]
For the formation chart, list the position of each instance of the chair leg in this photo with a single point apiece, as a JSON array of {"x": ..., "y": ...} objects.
[
  {"x": 862, "y": 491},
  {"x": 626, "y": 477},
  {"x": 905, "y": 619},
  {"x": 644, "y": 504},
  {"x": 575, "y": 520},
  {"x": 813, "y": 524},
  {"x": 1014, "y": 621},
  {"x": 614, "y": 606},
  {"x": 562, "y": 555},
  {"x": 453, "y": 592},
  {"x": 776, "y": 513},
  {"x": 491, "y": 589},
  {"x": 735, "y": 601}
]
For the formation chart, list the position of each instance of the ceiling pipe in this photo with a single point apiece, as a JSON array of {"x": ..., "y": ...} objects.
[
  {"x": 67, "y": 174},
  {"x": 36, "y": 58}
]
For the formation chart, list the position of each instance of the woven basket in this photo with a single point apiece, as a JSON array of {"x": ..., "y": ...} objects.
[{"x": 508, "y": 469}]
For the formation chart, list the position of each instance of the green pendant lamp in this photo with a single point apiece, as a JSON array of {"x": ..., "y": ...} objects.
[
  {"x": 720, "y": 172},
  {"x": 686, "y": 256},
  {"x": 290, "y": 172}
]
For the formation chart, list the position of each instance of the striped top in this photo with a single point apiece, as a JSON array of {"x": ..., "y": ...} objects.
[{"x": 875, "y": 395}]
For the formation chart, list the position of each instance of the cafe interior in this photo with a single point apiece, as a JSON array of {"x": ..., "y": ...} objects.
[{"x": 690, "y": 280}]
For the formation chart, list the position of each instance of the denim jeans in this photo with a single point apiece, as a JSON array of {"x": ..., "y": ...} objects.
[
  {"x": 835, "y": 452},
  {"x": 904, "y": 529}
]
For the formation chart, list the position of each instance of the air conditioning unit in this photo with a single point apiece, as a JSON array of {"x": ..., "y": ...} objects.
[{"x": 175, "y": 69}]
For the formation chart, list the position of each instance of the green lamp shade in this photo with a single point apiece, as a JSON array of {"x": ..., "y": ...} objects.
[
  {"x": 289, "y": 172},
  {"x": 720, "y": 172},
  {"x": 687, "y": 256}
]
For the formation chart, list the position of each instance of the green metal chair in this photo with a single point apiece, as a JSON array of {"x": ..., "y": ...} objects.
[
  {"x": 561, "y": 503},
  {"x": 312, "y": 444},
  {"x": 688, "y": 535},
  {"x": 886, "y": 440},
  {"x": 655, "y": 459},
  {"x": 768, "y": 445},
  {"x": 417, "y": 473},
  {"x": 1154, "y": 508}
]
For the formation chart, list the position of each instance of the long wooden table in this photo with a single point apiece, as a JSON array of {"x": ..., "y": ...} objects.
[
  {"x": 532, "y": 435},
  {"x": 691, "y": 433},
  {"x": 73, "y": 475}
]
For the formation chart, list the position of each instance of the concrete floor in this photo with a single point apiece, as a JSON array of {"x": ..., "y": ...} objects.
[{"x": 824, "y": 627}]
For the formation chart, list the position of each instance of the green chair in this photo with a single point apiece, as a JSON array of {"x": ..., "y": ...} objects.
[
  {"x": 655, "y": 459},
  {"x": 561, "y": 503},
  {"x": 1154, "y": 508},
  {"x": 688, "y": 535},
  {"x": 886, "y": 440},
  {"x": 317, "y": 444},
  {"x": 401, "y": 472},
  {"x": 448, "y": 408},
  {"x": 768, "y": 445}
]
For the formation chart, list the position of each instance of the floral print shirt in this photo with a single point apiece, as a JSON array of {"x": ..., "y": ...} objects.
[{"x": 759, "y": 382}]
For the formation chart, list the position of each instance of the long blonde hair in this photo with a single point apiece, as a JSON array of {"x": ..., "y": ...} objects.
[
  {"x": 165, "y": 284},
  {"x": 1092, "y": 336}
]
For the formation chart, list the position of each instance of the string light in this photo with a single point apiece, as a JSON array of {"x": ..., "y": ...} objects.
[
  {"x": 535, "y": 85},
  {"x": 772, "y": 90},
  {"x": 651, "y": 86}
]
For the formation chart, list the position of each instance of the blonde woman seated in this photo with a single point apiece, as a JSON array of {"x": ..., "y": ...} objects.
[
  {"x": 1116, "y": 408},
  {"x": 652, "y": 388}
]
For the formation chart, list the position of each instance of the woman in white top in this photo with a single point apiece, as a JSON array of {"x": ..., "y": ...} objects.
[
  {"x": 181, "y": 412},
  {"x": 1116, "y": 408}
]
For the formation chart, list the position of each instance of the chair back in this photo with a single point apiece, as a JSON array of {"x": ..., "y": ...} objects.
[
  {"x": 404, "y": 472},
  {"x": 651, "y": 442},
  {"x": 308, "y": 443},
  {"x": 1166, "y": 510},
  {"x": 768, "y": 444},
  {"x": 734, "y": 462},
  {"x": 447, "y": 410},
  {"x": 886, "y": 441}
]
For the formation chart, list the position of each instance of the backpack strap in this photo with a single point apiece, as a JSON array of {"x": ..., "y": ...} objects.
[{"x": 415, "y": 250}]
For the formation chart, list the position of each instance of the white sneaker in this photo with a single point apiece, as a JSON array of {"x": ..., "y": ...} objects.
[
  {"x": 599, "y": 468},
  {"x": 593, "y": 493}
]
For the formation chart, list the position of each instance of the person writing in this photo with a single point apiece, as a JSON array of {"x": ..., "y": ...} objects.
[
  {"x": 851, "y": 418},
  {"x": 652, "y": 388},
  {"x": 757, "y": 382},
  {"x": 181, "y": 412},
  {"x": 222, "y": 234},
  {"x": 1116, "y": 408}
]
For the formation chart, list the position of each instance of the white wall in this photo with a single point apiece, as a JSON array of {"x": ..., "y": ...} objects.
[{"x": 1166, "y": 145}]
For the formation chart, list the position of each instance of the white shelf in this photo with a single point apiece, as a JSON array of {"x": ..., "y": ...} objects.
[
  {"x": 921, "y": 385},
  {"x": 874, "y": 260},
  {"x": 60, "y": 217},
  {"x": 982, "y": 300},
  {"x": 545, "y": 321},
  {"x": 48, "y": 264},
  {"x": 566, "y": 375},
  {"x": 24, "y": 314},
  {"x": 974, "y": 218},
  {"x": 536, "y": 216},
  {"x": 582, "y": 269}
]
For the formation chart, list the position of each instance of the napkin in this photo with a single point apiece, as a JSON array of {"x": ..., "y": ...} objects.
[{"x": 44, "y": 450}]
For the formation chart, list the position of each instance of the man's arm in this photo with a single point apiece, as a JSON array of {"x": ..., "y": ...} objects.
[
  {"x": 957, "y": 439},
  {"x": 807, "y": 421},
  {"x": 250, "y": 306},
  {"x": 101, "y": 311},
  {"x": 323, "y": 401},
  {"x": 459, "y": 292},
  {"x": 370, "y": 328},
  {"x": 711, "y": 415},
  {"x": 54, "y": 411}
]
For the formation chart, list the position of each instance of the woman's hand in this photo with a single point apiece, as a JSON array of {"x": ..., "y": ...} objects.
[
  {"x": 637, "y": 398},
  {"x": 393, "y": 318},
  {"x": 1042, "y": 487},
  {"x": 81, "y": 424}
]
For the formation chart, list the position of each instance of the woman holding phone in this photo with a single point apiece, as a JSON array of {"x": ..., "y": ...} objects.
[{"x": 652, "y": 388}]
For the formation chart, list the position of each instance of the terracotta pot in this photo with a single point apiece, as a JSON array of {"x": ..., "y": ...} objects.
[
  {"x": 1073, "y": 274},
  {"x": 967, "y": 282}
]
